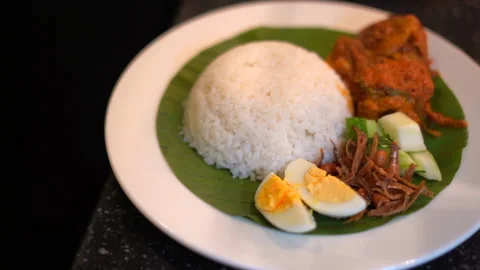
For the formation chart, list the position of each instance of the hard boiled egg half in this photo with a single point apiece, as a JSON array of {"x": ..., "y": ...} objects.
[
  {"x": 281, "y": 205},
  {"x": 325, "y": 194}
]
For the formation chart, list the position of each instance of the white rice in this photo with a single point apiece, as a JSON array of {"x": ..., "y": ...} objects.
[{"x": 261, "y": 105}]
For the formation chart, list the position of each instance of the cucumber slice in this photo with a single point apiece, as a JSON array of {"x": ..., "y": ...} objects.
[
  {"x": 404, "y": 131},
  {"x": 428, "y": 163},
  {"x": 403, "y": 157},
  {"x": 372, "y": 127},
  {"x": 405, "y": 160},
  {"x": 368, "y": 126}
]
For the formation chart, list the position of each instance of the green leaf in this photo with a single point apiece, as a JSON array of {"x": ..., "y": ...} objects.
[{"x": 235, "y": 196}]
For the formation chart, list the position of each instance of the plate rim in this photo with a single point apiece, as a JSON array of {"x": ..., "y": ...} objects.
[{"x": 195, "y": 19}]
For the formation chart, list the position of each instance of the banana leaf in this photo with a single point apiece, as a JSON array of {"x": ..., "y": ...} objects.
[{"x": 235, "y": 196}]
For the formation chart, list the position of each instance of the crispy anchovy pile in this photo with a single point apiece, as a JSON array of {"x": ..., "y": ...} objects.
[{"x": 375, "y": 176}]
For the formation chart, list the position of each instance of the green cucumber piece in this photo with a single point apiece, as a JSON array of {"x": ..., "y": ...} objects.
[
  {"x": 404, "y": 131},
  {"x": 405, "y": 160},
  {"x": 372, "y": 127},
  {"x": 368, "y": 126},
  {"x": 428, "y": 163}
]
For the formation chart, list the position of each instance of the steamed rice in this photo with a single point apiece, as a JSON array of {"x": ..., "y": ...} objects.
[{"x": 261, "y": 105}]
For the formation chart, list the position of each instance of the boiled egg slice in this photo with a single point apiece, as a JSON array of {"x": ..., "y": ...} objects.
[
  {"x": 325, "y": 194},
  {"x": 281, "y": 205}
]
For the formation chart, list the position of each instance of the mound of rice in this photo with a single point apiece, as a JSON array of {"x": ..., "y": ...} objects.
[{"x": 260, "y": 105}]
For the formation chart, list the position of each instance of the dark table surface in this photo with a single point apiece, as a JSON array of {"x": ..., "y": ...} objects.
[{"x": 119, "y": 237}]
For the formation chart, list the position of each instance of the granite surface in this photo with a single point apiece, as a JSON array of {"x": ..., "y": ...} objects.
[{"x": 119, "y": 236}]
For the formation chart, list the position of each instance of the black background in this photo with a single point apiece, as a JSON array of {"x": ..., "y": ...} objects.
[{"x": 80, "y": 49}]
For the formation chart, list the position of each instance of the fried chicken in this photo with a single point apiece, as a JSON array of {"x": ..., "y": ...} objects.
[{"x": 387, "y": 69}]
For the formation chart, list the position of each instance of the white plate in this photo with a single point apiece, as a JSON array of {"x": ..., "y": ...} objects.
[{"x": 143, "y": 173}]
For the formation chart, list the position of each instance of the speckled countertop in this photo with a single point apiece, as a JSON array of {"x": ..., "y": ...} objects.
[{"x": 119, "y": 236}]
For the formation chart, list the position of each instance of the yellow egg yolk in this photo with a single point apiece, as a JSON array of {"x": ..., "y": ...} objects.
[
  {"x": 275, "y": 194},
  {"x": 327, "y": 188}
]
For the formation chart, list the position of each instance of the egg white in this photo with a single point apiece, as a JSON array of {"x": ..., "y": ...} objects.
[
  {"x": 297, "y": 218},
  {"x": 294, "y": 175}
]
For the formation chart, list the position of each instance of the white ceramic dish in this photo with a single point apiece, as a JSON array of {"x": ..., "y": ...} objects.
[{"x": 143, "y": 173}]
